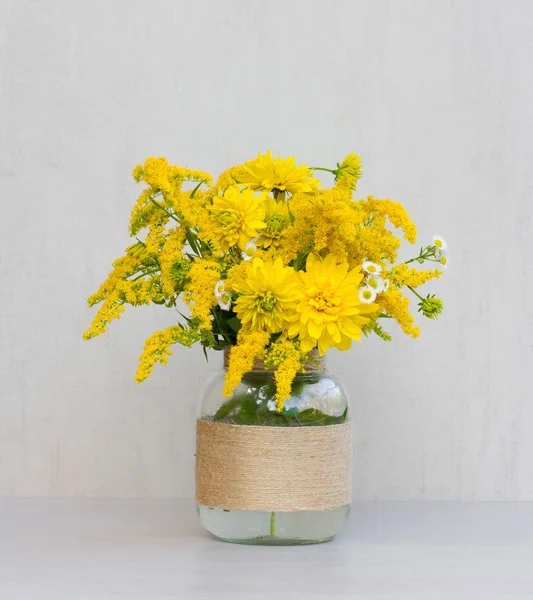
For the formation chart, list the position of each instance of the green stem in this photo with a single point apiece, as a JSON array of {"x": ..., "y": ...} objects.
[
  {"x": 272, "y": 524},
  {"x": 324, "y": 169},
  {"x": 151, "y": 272},
  {"x": 155, "y": 203},
  {"x": 415, "y": 292},
  {"x": 426, "y": 254}
]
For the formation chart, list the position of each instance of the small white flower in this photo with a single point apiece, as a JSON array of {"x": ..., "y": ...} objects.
[
  {"x": 224, "y": 301},
  {"x": 376, "y": 283},
  {"x": 443, "y": 257},
  {"x": 367, "y": 295},
  {"x": 371, "y": 267},
  {"x": 439, "y": 241},
  {"x": 444, "y": 260},
  {"x": 249, "y": 250},
  {"x": 386, "y": 284},
  {"x": 220, "y": 288}
]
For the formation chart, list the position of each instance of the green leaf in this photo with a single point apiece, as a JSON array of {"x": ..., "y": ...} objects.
[
  {"x": 251, "y": 408},
  {"x": 291, "y": 216},
  {"x": 234, "y": 323},
  {"x": 195, "y": 190},
  {"x": 191, "y": 239}
]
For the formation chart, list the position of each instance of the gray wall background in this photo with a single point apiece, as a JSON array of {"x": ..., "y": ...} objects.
[{"x": 436, "y": 96}]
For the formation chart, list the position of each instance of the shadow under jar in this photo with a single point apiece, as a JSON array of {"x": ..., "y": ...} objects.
[{"x": 269, "y": 477}]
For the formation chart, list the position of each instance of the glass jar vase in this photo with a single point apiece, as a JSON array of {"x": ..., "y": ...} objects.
[{"x": 318, "y": 401}]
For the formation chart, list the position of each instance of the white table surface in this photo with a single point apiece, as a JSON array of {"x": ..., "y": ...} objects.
[{"x": 135, "y": 549}]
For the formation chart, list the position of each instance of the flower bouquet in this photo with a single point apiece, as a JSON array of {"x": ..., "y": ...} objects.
[{"x": 270, "y": 267}]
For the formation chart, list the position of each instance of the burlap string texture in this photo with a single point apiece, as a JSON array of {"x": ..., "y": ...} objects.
[{"x": 240, "y": 467}]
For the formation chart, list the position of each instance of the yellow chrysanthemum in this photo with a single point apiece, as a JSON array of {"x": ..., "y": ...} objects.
[
  {"x": 348, "y": 172},
  {"x": 276, "y": 219},
  {"x": 267, "y": 296},
  {"x": 237, "y": 217},
  {"x": 329, "y": 312},
  {"x": 268, "y": 173}
]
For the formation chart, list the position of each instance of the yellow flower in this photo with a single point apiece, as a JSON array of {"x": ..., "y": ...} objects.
[
  {"x": 173, "y": 263},
  {"x": 250, "y": 345},
  {"x": 268, "y": 173},
  {"x": 276, "y": 219},
  {"x": 229, "y": 177},
  {"x": 323, "y": 221},
  {"x": 287, "y": 358},
  {"x": 237, "y": 216},
  {"x": 267, "y": 296},
  {"x": 235, "y": 274},
  {"x": 378, "y": 209},
  {"x": 329, "y": 312},
  {"x": 199, "y": 293},
  {"x": 157, "y": 348},
  {"x": 396, "y": 305},
  {"x": 404, "y": 275},
  {"x": 348, "y": 172}
]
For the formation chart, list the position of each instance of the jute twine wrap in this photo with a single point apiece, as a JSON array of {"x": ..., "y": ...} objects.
[{"x": 243, "y": 467}]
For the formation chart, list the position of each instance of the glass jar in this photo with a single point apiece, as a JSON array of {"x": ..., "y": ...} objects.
[{"x": 317, "y": 399}]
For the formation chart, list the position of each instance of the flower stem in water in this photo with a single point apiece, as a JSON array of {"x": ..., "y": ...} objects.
[{"x": 272, "y": 524}]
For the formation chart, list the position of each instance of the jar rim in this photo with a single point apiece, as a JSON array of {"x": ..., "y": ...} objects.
[{"x": 314, "y": 363}]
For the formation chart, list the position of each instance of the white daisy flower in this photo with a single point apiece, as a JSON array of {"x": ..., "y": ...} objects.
[
  {"x": 249, "y": 250},
  {"x": 371, "y": 267},
  {"x": 220, "y": 288},
  {"x": 224, "y": 301},
  {"x": 376, "y": 283},
  {"x": 367, "y": 295},
  {"x": 443, "y": 257},
  {"x": 439, "y": 241}
]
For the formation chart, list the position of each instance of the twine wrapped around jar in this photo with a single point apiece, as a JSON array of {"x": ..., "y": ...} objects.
[{"x": 265, "y": 468}]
